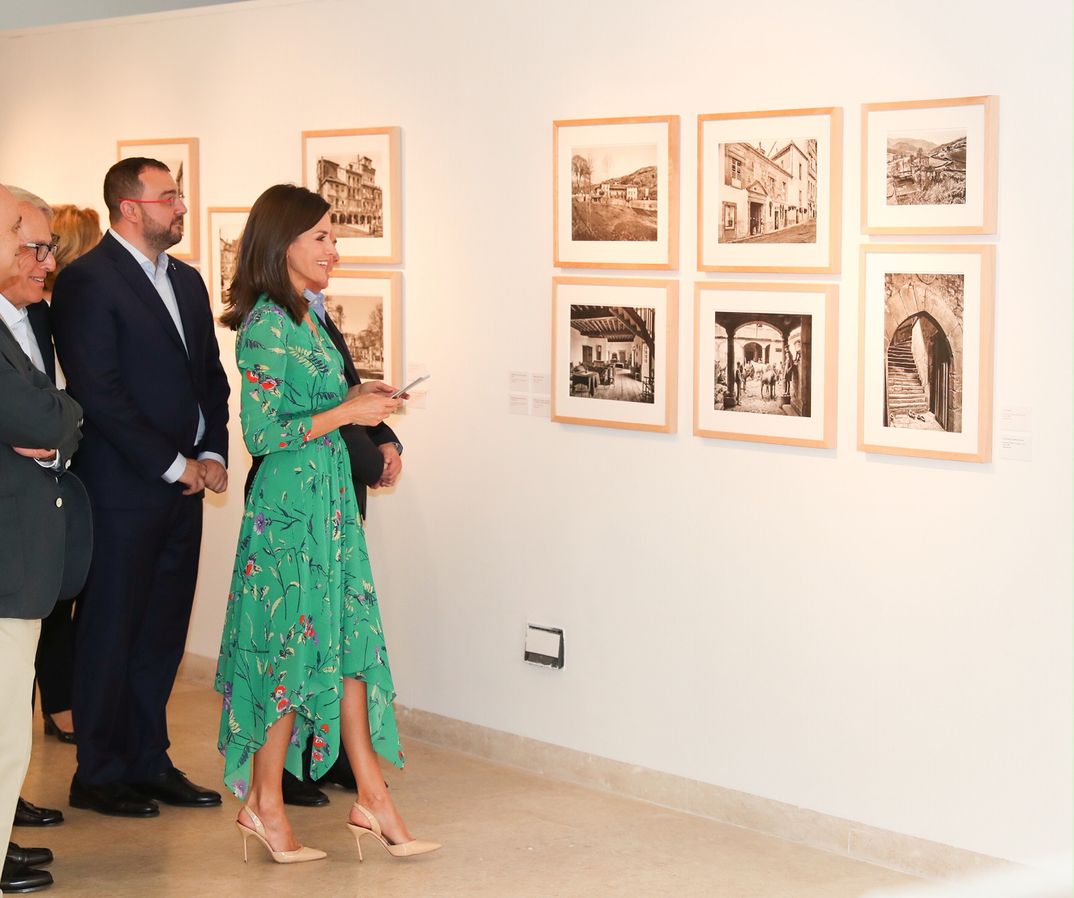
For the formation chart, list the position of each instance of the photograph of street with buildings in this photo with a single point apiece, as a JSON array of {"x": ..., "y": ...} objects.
[
  {"x": 926, "y": 168},
  {"x": 923, "y": 346},
  {"x": 769, "y": 191},
  {"x": 762, "y": 363},
  {"x": 612, "y": 353},
  {"x": 614, "y": 192}
]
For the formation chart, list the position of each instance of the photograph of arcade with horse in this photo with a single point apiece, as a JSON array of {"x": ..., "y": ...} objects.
[
  {"x": 923, "y": 351},
  {"x": 763, "y": 363},
  {"x": 613, "y": 353}
]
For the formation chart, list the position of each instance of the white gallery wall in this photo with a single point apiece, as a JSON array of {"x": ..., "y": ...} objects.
[{"x": 882, "y": 639}]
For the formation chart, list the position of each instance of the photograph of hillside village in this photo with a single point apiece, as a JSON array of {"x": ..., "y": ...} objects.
[
  {"x": 927, "y": 168},
  {"x": 769, "y": 192},
  {"x": 614, "y": 193}
]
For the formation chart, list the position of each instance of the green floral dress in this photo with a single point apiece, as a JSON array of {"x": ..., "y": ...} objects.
[{"x": 302, "y": 613}]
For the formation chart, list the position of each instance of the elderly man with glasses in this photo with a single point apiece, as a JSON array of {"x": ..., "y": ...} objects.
[
  {"x": 134, "y": 334},
  {"x": 43, "y": 539}
]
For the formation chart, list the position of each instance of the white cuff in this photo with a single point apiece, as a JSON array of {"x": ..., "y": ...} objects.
[
  {"x": 214, "y": 456},
  {"x": 175, "y": 470}
]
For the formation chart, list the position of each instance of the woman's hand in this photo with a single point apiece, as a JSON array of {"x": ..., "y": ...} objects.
[{"x": 368, "y": 408}]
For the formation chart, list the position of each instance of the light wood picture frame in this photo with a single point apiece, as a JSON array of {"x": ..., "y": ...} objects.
[
  {"x": 359, "y": 173},
  {"x": 614, "y": 344},
  {"x": 180, "y": 154},
  {"x": 226, "y": 224},
  {"x": 366, "y": 306},
  {"x": 615, "y": 192},
  {"x": 930, "y": 166},
  {"x": 765, "y": 359},
  {"x": 925, "y": 350},
  {"x": 770, "y": 191}
]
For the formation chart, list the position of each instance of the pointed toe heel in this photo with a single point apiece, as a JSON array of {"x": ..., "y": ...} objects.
[
  {"x": 297, "y": 856},
  {"x": 404, "y": 849}
]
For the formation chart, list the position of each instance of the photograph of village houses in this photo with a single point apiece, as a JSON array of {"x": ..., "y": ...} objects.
[
  {"x": 614, "y": 193},
  {"x": 769, "y": 192},
  {"x": 361, "y": 321},
  {"x": 348, "y": 182},
  {"x": 927, "y": 168},
  {"x": 613, "y": 353},
  {"x": 763, "y": 363},
  {"x": 923, "y": 351}
]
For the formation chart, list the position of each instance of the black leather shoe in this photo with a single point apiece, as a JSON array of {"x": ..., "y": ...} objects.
[
  {"x": 28, "y": 857},
  {"x": 340, "y": 774},
  {"x": 51, "y": 729},
  {"x": 175, "y": 789},
  {"x": 27, "y": 814},
  {"x": 113, "y": 799},
  {"x": 301, "y": 793},
  {"x": 16, "y": 879}
]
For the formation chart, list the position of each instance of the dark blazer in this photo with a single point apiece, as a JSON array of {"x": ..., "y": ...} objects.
[
  {"x": 125, "y": 362},
  {"x": 33, "y": 414},
  {"x": 363, "y": 443}
]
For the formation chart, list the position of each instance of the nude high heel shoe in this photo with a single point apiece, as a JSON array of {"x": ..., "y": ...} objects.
[
  {"x": 404, "y": 849},
  {"x": 298, "y": 856}
]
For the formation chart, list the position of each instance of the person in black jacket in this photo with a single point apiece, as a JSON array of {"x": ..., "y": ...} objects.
[{"x": 135, "y": 337}]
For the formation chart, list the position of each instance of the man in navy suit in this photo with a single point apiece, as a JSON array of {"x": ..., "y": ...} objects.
[{"x": 134, "y": 334}]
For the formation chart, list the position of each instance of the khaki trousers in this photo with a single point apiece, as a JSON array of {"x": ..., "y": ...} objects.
[{"x": 18, "y": 645}]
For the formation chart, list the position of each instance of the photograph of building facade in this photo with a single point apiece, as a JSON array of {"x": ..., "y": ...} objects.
[
  {"x": 763, "y": 363},
  {"x": 613, "y": 353},
  {"x": 923, "y": 351},
  {"x": 349, "y": 185},
  {"x": 769, "y": 192}
]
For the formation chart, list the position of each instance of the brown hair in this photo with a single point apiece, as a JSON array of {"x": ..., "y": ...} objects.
[
  {"x": 277, "y": 218},
  {"x": 123, "y": 180},
  {"x": 79, "y": 231}
]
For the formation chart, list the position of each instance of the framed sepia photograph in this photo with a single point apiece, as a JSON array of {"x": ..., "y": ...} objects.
[
  {"x": 366, "y": 306},
  {"x": 929, "y": 166},
  {"x": 180, "y": 154},
  {"x": 358, "y": 171},
  {"x": 769, "y": 190},
  {"x": 615, "y": 192},
  {"x": 925, "y": 351},
  {"x": 765, "y": 359},
  {"x": 226, "y": 224},
  {"x": 613, "y": 352}
]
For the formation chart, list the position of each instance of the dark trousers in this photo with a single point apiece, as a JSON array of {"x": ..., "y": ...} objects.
[
  {"x": 56, "y": 658},
  {"x": 131, "y": 627}
]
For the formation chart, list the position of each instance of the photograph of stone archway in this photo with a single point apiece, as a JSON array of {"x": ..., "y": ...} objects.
[{"x": 923, "y": 335}]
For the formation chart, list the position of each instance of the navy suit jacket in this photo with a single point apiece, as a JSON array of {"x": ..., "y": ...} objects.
[{"x": 125, "y": 363}]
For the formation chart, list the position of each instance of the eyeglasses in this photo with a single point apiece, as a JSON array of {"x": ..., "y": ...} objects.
[
  {"x": 41, "y": 250},
  {"x": 169, "y": 201}
]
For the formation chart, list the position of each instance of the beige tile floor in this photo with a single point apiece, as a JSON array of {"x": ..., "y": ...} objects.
[{"x": 506, "y": 833}]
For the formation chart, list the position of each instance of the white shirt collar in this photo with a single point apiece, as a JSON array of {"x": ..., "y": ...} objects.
[
  {"x": 140, "y": 257},
  {"x": 10, "y": 314}
]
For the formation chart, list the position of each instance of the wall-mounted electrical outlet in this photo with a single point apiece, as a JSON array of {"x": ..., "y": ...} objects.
[{"x": 544, "y": 646}]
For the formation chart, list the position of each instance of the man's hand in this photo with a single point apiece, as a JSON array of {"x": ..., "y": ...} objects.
[
  {"x": 215, "y": 475},
  {"x": 40, "y": 454},
  {"x": 393, "y": 465},
  {"x": 193, "y": 477}
]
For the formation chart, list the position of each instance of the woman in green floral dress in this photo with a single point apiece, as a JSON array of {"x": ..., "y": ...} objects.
[{"x": 303, "y": 651}]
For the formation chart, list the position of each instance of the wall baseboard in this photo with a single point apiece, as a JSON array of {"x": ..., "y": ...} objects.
[{"x": 896, "y": 851}]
